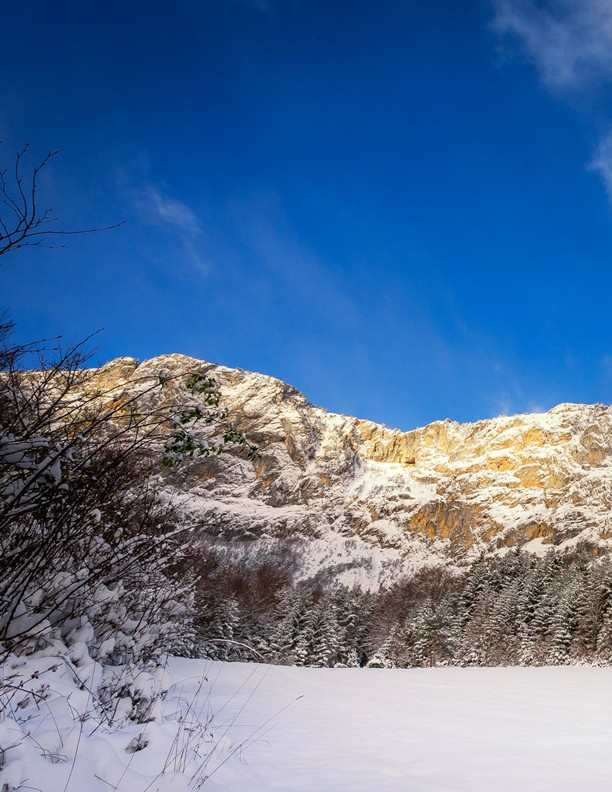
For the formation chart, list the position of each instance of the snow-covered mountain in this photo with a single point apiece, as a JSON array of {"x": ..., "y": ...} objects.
[{"x": 351, "y": 500}]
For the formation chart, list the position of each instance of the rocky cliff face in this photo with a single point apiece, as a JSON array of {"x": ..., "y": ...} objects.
[{"x": 355, "y": 501}]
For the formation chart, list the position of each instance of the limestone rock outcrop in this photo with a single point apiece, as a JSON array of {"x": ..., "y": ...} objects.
[{"x": 355, "y": 501}]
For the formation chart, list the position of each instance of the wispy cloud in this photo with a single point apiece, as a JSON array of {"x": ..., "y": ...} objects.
[
  {"x": 155, "y": 208},
  {"x": 602, "y": 162},
  {"x": 605, "y": 367},
  {"x": 266, "y": 232},
  {"x": 570, "y": 41}
]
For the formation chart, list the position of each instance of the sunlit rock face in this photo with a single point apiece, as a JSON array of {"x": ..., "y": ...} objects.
[{"x": 350, "y": 500}]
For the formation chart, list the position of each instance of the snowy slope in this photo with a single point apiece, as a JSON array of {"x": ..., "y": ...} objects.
[{"x": 359, "y": 502}]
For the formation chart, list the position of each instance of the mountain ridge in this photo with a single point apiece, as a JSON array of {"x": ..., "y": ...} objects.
[{"x": 354, "y": 501}]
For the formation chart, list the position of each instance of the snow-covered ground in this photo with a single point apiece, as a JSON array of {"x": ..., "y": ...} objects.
[{"x": 324, "y": 730}]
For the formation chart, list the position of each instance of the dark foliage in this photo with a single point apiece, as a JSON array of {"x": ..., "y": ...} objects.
[{"x": 519, "y": 609}]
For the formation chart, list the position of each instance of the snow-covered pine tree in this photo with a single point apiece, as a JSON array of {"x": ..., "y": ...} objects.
[
  {"x": 289, "y": 641},
  {"x": 384, "y": 656},
  {"x": 223, "y": 632},
  {"x": 326, "y": 634},
  {"x": 603, "y": 641}
]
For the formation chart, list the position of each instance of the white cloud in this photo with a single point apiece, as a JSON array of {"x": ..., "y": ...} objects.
[
  {"x": 155, "y": 208},
  {"x": 536, "y": 407},
  {"x": 570, "y": 41},
  {"x": 602, "y": 162},
  {"x": 193, "y": 256}
]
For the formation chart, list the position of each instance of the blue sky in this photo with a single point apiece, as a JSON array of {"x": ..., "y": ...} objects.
[{"x": 402, "y": 208}]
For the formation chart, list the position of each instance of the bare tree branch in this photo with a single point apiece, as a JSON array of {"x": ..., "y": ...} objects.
[{"x": 22, "y": 222}]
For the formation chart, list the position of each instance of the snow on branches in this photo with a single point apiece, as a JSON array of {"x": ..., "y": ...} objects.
[{"x": 93, "y": 560}]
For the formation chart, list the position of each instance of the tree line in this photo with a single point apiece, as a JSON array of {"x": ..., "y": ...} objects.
[{"x": 517, "y": 609}]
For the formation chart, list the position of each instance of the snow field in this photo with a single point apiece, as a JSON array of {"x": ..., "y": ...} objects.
[
  {"x": 420, "y": 730},
  {"x": 256, "y": 728}
]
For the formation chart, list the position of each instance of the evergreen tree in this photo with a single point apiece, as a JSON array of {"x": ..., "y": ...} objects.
[
  {"x": 289, "y": 641},
  {"x": 223, "y": 633}
]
